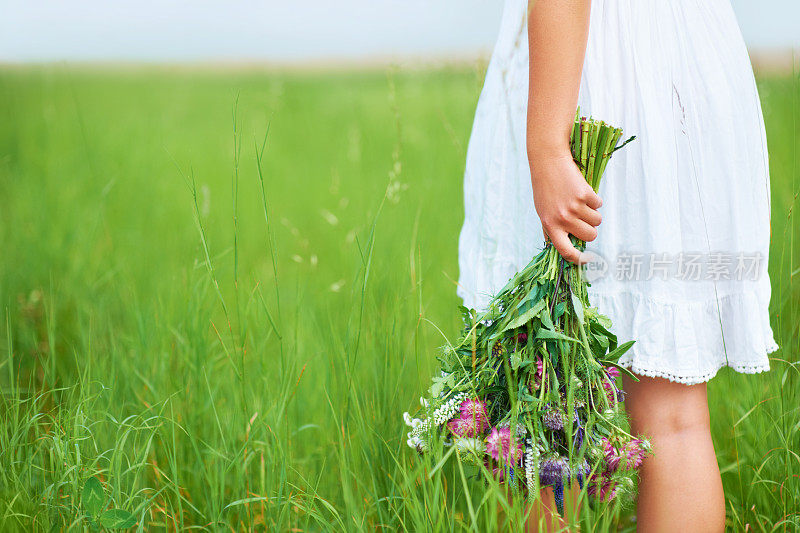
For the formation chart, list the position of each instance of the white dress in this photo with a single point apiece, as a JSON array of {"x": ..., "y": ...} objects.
[{"x": 686, "y": 206}]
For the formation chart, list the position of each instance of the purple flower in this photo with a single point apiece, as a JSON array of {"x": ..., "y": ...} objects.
[
  {"x": 579, "y": 432},
  {"x": 536, "y": 382},
  {"x": 602, "y": 487},
  {"x": 611, "y": 390},
  {"x": 502, "y": 447},
  {"x": 611, "y": 454},
  {"x": 558, "y": 496},
  {"x": 612, "y": 372},
  {"x": 634, "y": 454},
  {"x": 582, "y": 472},
  {"x": 552, "y": 469},
  {"x": 474, "y": 409},
  {"x": 462, "y": 427},
  {"x": 553, "y": 419},
  {"x": 473, "y": 420}
]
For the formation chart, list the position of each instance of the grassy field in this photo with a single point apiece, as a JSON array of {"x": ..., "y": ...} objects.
[{"x": 225, "y": 327}]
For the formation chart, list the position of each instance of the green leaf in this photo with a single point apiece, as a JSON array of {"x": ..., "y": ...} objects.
[
  {"x": 617, "y": 352},
  {"x": 117, "y": 519},
  {"x": 466, "y": 315},
  {"x": 577, "y": 306},
  {"x": 547, "y": 321},
  {"x": 530, "y": 299},
  {"x": 621, "y": 369},
  {"x": 601, "y": 339},
  {"x": 525, "y": 397},
  {"x": 490, "y": 390},
  {"x": 439, "y": 383},
  {"x": 527, "y": 316},
  {"x": 546, "y": 334},
  {"x": 93, "y": 497},
  {"x": 516, "y": 360},
  {"x": 604, "y": 321}
]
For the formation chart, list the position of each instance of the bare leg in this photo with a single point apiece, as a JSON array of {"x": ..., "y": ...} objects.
[
  {"x": 680, "y": 488},
  {"x": 543, "y": 515},
  {"x": 545, "y": 518}
]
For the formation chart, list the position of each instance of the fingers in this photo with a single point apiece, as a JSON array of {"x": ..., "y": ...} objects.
[
  {"x": 592, "y": 199},
  {"x": 564, "y": 246},
  {"x": 590, "y": 215},
  {"x": 582, "y": 230}
]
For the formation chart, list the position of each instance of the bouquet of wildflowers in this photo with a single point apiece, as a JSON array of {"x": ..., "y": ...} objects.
[{"x": 528, "y": 390}]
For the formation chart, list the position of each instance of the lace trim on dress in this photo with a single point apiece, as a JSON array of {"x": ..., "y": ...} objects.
[
  {"x": 694, "y": 380},
  {"x": 667, "y": 348}
]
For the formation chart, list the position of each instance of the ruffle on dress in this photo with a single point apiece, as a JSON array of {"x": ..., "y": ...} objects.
[{"x": 688, "y": 342}]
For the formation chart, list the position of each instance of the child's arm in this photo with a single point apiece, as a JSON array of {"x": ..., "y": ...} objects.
[{"x": 557, "y": 35}]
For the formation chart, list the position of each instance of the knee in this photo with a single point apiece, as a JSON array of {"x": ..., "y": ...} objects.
[
  {"x": 669, "y": 410},
  {"x": 678, "y": 422}
]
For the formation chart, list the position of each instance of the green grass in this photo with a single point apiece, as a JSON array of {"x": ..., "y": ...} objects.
[{"x": 242, "y": 362}]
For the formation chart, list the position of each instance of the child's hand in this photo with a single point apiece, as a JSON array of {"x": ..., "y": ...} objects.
[{"x": 566, "y": 204}]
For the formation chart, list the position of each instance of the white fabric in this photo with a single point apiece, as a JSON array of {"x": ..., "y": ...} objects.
[{"x": 676, "y": 74}]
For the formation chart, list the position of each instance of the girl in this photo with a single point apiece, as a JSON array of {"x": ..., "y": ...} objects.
[{"x": 682, "y": 253}]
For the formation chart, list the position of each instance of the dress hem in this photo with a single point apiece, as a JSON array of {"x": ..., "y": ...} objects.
[{"x": 742, "y": 368}]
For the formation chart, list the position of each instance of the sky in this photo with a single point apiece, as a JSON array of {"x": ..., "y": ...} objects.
[{"x": 290, "y": 30}]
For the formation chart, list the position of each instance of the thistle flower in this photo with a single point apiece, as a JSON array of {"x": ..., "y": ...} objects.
[
  {"x": 610, "y": 454},
  {"x": 553, "y": 419},
  {"x": 474, "y": 409},
  {"x": 473, "y": 420},
  {"x": 610, "y": 390},
  {"x": 602, "y": 487},
  {"x": 634, "y": 452},
  {"x": 463, "y": 427},
  {"x": 645, "y": 446},
  {"x": 624, "y": 485},
  {"x": 502, "y": 447}
]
